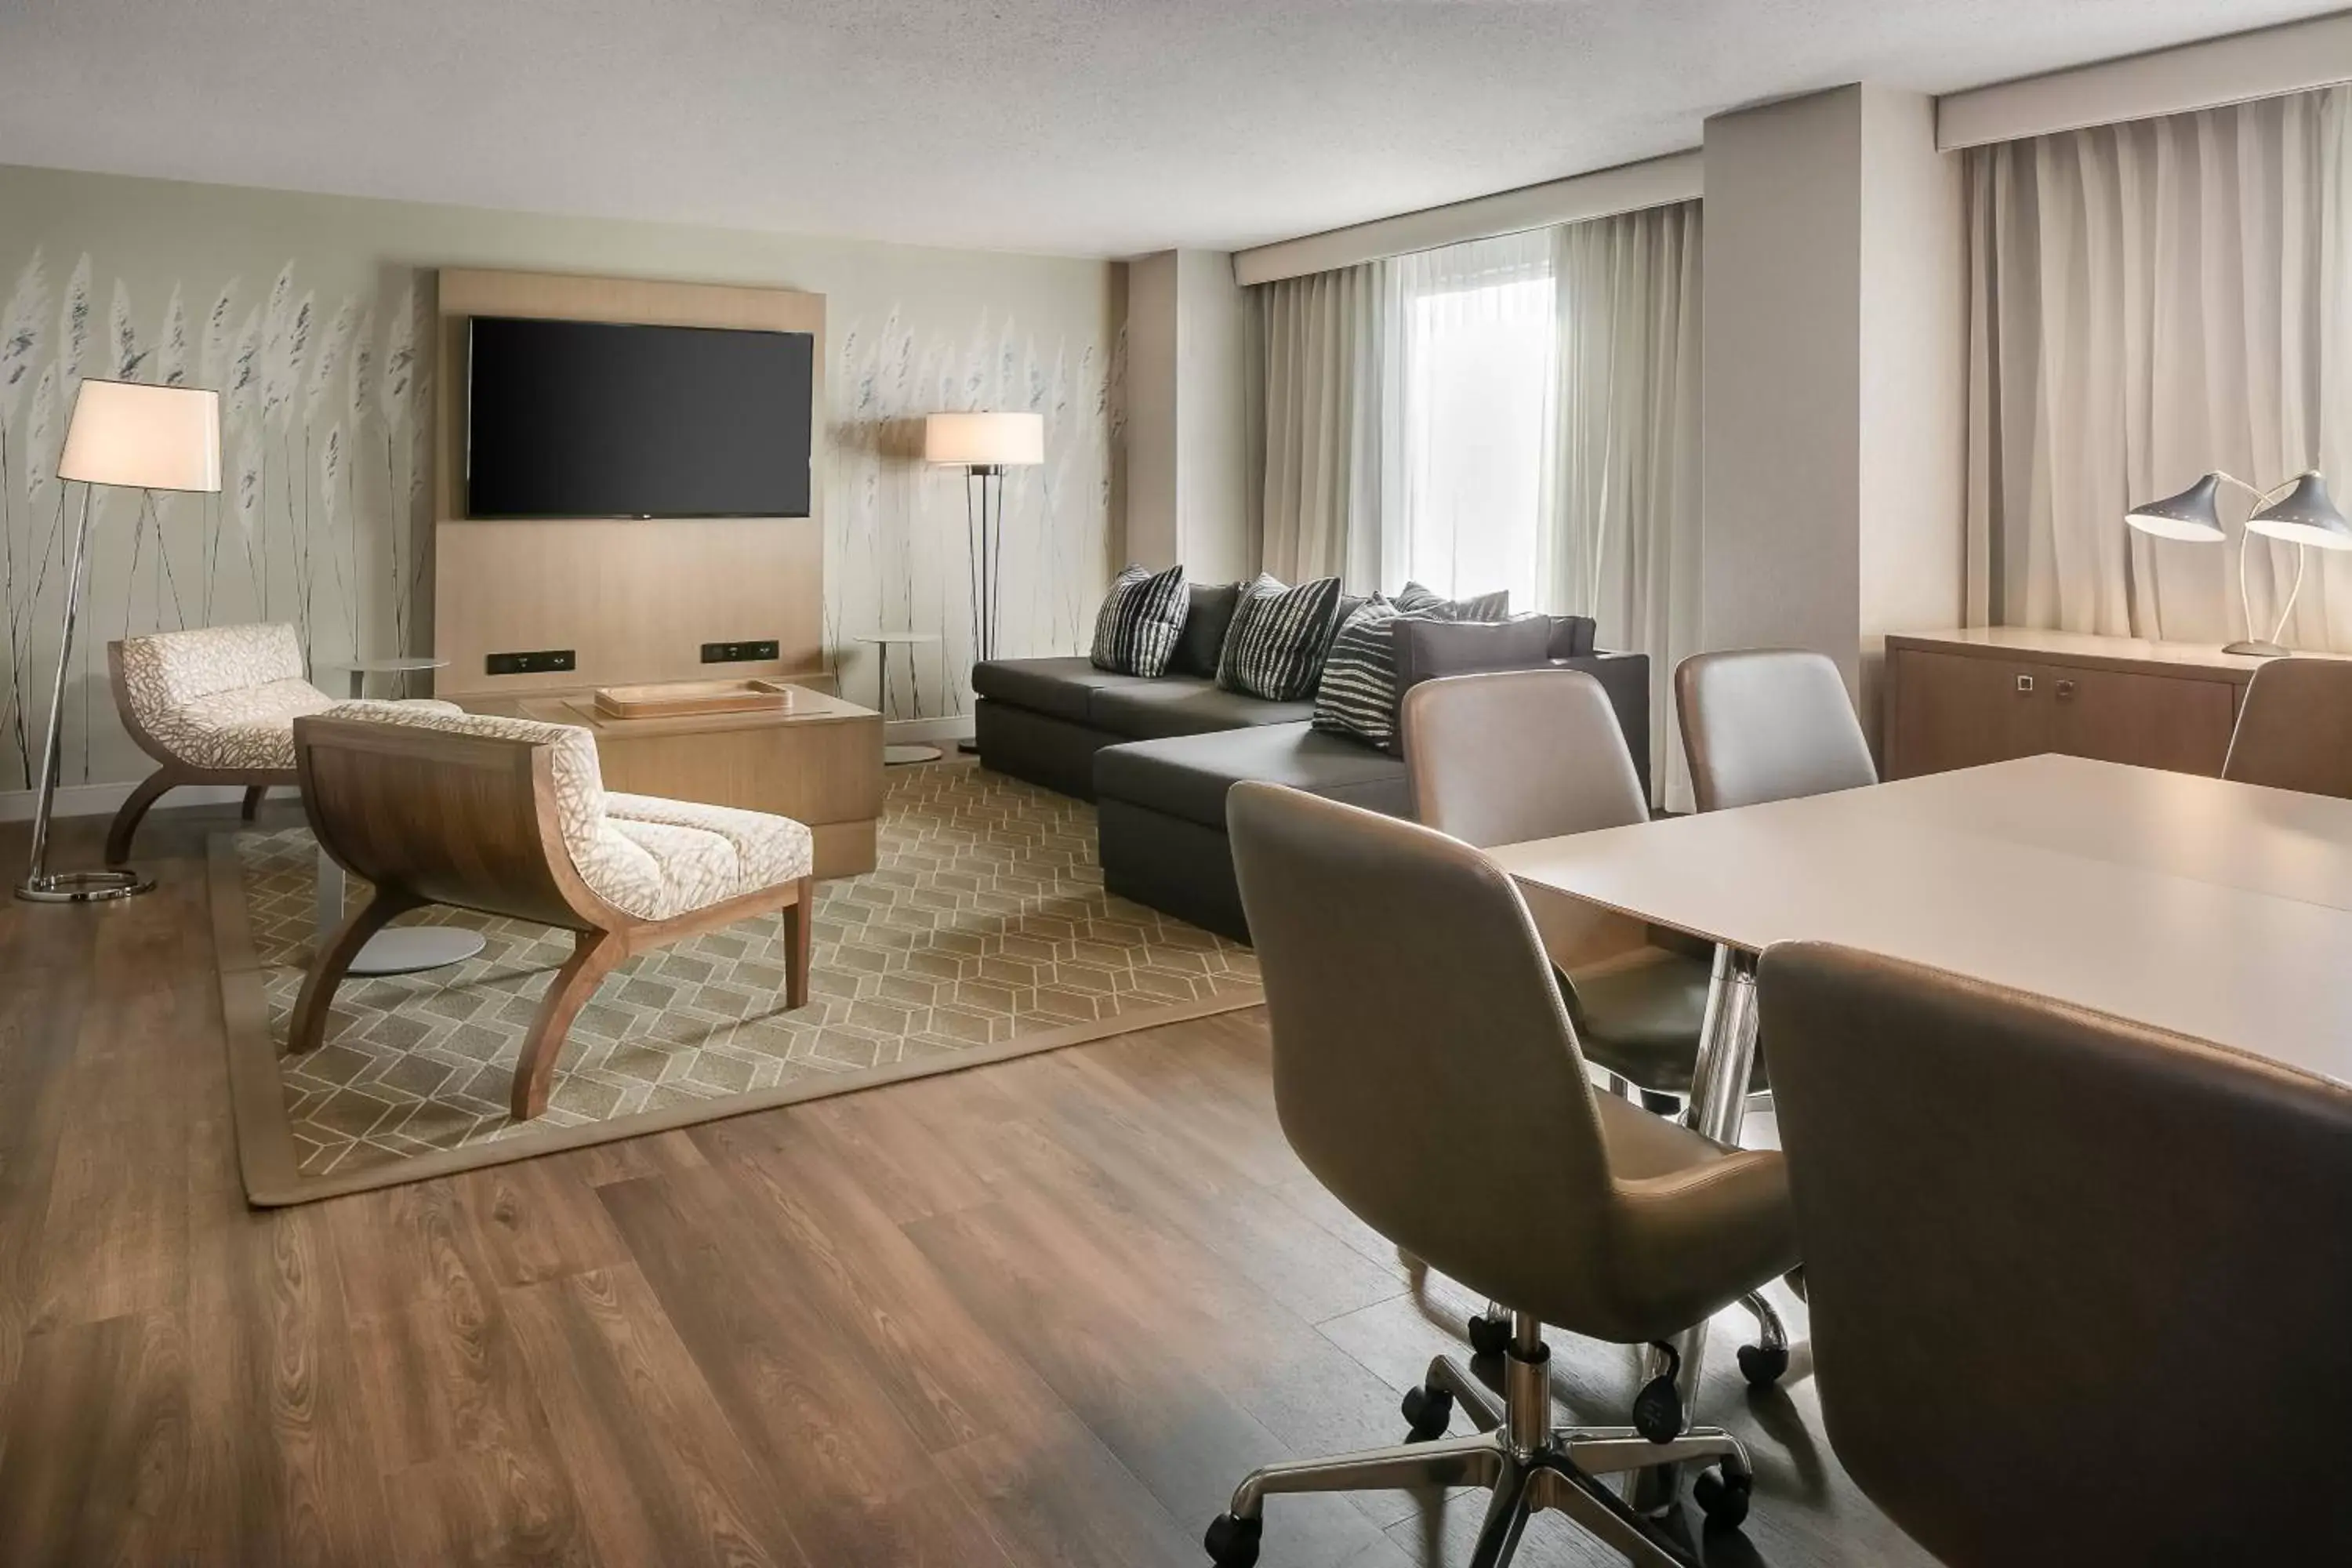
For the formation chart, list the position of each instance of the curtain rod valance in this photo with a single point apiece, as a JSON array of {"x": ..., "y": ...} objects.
[
  {"x": 2296, "y": 57},
  {"x": 1604, "y": 192}
]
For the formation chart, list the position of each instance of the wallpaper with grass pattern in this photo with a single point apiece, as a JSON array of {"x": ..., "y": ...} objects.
[{"x": 311, "y": 317}]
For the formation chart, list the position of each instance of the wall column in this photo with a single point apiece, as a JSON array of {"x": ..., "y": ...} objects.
[
  {"x": 1836, "y": 378},
  {"x": 1186, "y": 364}
]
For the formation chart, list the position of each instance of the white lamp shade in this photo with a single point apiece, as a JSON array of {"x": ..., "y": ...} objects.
[
  {"x": 143, "y": 438},
  {"x": 984, "y": 440}
]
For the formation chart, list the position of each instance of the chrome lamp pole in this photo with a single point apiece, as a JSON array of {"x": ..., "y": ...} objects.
[
  {"x": 983, "y": 446},
  {"x": 133, "y": 437}
]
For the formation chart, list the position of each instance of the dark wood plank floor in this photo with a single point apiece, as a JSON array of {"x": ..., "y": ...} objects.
[{"x": 1046, "y": 1312}]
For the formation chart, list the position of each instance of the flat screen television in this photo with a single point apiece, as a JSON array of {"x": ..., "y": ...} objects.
[{"x": 605, "y": 419}]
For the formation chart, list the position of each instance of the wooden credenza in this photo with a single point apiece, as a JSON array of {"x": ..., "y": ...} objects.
[{"x": 1959, "y": 699}]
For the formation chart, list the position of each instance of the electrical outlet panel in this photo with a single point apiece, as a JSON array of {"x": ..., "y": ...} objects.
[
  {"x": 540, "y": 662},
  {"x": 739, "y": 652}
]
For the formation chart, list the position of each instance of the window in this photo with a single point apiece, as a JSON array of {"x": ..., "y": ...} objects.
[{"x": 1474, "y": 381}]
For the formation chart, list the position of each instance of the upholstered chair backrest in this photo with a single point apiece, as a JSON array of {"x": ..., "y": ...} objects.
[
  {"x": 1518, "y": 754},
  {"x": 163, "y": 671},
  {"x": 1768, "y": 723}
]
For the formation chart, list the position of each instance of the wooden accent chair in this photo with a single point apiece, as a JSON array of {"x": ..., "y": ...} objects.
[
  {"x": 212, "y": 706},
  {"x": 511, "y": 817}
]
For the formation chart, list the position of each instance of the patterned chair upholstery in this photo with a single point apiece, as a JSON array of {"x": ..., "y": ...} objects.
[
  {"x": 212, "y": 705},
  {"x": 653, "y": 859},
  {"x": 511, "y": 817}
]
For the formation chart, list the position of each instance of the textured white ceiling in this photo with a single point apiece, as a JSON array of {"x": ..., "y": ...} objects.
[{"x": 1104, "y": 127}]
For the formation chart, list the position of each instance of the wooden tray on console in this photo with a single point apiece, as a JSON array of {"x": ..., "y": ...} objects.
[{"x": 684, "y": 698}]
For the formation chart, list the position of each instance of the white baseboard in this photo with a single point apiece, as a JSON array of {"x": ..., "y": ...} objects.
[{"x": 104, "y": 800}]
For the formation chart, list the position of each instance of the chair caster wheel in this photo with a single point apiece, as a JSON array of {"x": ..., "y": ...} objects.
[
  {"x": 1233, "y": 1542},
  {"x": 1763, "y": 1365},
  {"x": 1489, "y": 1336},
  {"x": 1723, "y": 1497},
  {"x": 1427, "y": 1413},
  {"x": 1658, "y": 1408}
]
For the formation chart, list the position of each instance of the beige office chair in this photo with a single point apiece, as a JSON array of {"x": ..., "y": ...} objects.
[
  {"x": 2097, "y": 1319},
  {"x": 1763, "y": 724},
  {"x": 1426, "y": 1071},
  {"x": 1538, "y": 753},
  {"x": 2295, "y": 729}
]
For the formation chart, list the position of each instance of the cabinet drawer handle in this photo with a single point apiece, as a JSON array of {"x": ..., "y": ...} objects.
[
  {"x": 2025, "y": 683},
  {"x": 2065, "y": 690}
]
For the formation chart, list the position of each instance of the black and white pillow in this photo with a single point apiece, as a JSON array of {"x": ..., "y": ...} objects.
[
  {"x": 1416, "y": 600},
  {"x": 1275, "y": 647},
  {"x": 1357, "y": 693},
  {"x": 1137, "y": 629}
]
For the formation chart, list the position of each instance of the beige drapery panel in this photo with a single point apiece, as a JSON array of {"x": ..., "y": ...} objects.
[
  {"x": 2149, "y": 301},
  {"x": 1321, "y": 366},
  {"x": 1626, "y": 519}
]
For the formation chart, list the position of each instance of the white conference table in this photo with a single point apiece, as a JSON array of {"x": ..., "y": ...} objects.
[{"x": 2215, "y": 910}]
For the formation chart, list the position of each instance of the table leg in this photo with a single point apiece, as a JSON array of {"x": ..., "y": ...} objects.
[
  {"x": 1718, "y": 1103},
  {"x": 401, "y": 950},
  {"x": 892, "y": 756}
]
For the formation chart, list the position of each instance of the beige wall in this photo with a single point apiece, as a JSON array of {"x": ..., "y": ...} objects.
[
  {"x": 1782, "y": 375},
  {"x": 1836, "y": 378},
  {"x": 1185, "y": 436},
  {"x": 1913, "y": 431},
  {"x": 332, "y": 542}
]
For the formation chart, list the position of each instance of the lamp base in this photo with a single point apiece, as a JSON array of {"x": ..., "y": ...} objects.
[
  {"x": 83, "y": 887},
  {"x": 2256, "y": 649}
]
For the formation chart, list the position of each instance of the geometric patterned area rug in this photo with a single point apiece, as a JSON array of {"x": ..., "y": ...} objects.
[{"x": 983, "y": 932}]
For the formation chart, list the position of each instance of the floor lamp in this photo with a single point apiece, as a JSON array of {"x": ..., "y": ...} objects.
[
  {"x": 983, "y": 446},
  {"x": 138, "y": 437},
  {"x": 2297, "y": 513}
]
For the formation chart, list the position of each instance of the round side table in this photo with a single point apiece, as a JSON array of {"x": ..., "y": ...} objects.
[
  {"x": 884, "y": 642},
  {"x": 398, "y": 950}
]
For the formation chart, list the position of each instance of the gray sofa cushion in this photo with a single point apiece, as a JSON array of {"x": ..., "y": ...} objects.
[
  {"x": 1211, "y": 613},
  {"x": 1187, "y": 776},
  {"x": 1184, "y": 705},
  {"x": 1426, "y": 650},
  {"x": 1061, "y": 687}
]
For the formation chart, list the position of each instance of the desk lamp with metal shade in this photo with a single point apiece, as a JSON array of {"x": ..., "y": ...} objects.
[
  {"x": 2298, "y": 512},
  {"x": 984, "y": 445},
  {"x": 133, "y": 437}
]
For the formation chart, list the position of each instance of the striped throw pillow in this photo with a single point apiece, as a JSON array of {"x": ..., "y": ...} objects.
[
  {"x": 1416, "y": 600},
  {"x": 1275, "y": 647},
  {"x": 1137, "y": 629},
  {"x": 1357, "y": 694}
]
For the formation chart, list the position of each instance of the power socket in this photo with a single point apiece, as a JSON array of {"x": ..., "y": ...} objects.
[
  {"x": 739, "y": 652},
  {"x": 543, "y": 661}
]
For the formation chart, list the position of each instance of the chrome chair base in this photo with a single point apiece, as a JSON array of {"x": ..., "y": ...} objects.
[
  {"x": 1761, "y": 1363},
  {"x": 1516, "y": 1453}
]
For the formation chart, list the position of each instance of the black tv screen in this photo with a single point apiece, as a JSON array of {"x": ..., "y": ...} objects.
[{"x": 602, "y": 419}]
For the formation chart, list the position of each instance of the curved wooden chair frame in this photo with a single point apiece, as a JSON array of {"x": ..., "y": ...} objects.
[
  {"x": 172, "y": 773},
  {"x": 430, "y": 816}
]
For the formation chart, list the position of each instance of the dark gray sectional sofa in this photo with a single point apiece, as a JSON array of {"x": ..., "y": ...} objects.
[{"x": 1157, "y": 755}]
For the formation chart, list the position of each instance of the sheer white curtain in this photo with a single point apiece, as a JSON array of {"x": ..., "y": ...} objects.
[
  {"x": 1625, "y": 533},
  {"x": 1476, "y": 328},
  {"x": 2149, "y": 301},
  {"x": 1519, "y": 413}
]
